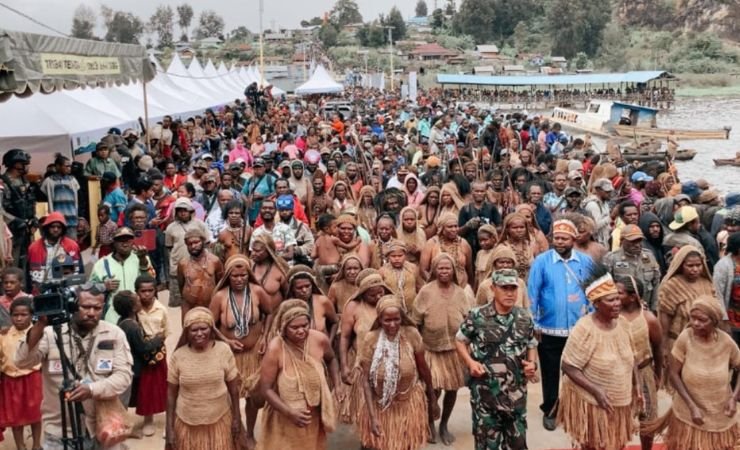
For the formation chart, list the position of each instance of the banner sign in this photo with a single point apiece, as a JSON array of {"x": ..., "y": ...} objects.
[{"x": 63, "y": 64}]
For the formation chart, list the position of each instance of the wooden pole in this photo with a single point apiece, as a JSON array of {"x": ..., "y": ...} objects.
[{"x": 146, "y": 118}]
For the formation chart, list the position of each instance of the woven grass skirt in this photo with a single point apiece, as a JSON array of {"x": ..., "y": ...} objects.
[
  {"x": 591, "y": 426},
  {"x": 248, "y": 365},
  {"x": 680, "y": 435},
  {"x": 404, "y": 424},
  {"x": 353, "y": 398},
  {"x": 649, "y": 410},
  {"x": 447, "y": 368},
  {"x": 205, "y": 437}
]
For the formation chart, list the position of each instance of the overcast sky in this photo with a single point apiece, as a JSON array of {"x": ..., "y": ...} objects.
[{"x": 283, "y": 13}]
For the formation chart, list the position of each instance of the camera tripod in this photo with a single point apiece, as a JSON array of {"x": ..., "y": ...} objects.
[{"x": 71, "y": 411}]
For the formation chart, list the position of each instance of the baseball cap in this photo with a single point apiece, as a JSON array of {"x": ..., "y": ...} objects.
[
  {"x": 258, "y": 162},
  {"x": 124, "y": 232},
  {"x": 604, "y": 184},
  {"x": 284, "y": 202},
  {"x": 235, "y": 166},
  {"x": 505, "y": 277},
  {"x": 206, "y": 156},
  {"x": 632, "y": 233},
  {"x": 684, "y": 215},
  {"x": 640, "y": 176},
  {"x": 284, "y": 163},
  {"x": 574, "y": 175},
  {"x": 571, "y": 190},
  {"x": 184, "y": 203}
]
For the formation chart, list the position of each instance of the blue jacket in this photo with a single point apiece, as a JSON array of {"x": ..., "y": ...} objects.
[{"x": 557, "y": 299}]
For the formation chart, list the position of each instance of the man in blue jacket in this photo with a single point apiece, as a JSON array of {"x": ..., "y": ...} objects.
[{"x": 557, "y": 302}]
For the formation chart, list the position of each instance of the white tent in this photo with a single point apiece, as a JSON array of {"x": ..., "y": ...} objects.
[
  {"x": 209, "y": 85},
  {"x": 179, "y": 76},
  {"x": 319, "y": 83},
  {"x": 223, "y": 80}
]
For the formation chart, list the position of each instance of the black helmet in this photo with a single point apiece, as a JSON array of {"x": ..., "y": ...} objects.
[{"x": 16, "y": 155}]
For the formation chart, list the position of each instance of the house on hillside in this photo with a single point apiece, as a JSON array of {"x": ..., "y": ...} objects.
[
  {"x": 281, "y": 37},
  {"x": 484, "y": 70},
  {"x": 559, "y": 61},
  {"x": 209, "y": 43},
  {"x": 546, "y": 70},
  {"x": 431, "y": 52},
  {"x": 419, "y": 24},
  {"x": 352, "y": 28},
  {"x": 487, "y": 51},
  {"x": 305, "y": 33},
  {"x": 514, "y": 69},
  {"x": 272, "y": 72}
]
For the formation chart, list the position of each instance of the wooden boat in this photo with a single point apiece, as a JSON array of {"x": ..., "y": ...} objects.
[
  {"x": 727, "y": 162},
  {"x": 605, "y": 118},
  {"x": 664, "y": 133},
  {"x": 681, "y": 155}
]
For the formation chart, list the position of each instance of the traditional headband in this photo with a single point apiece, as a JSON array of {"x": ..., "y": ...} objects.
[
  {"x": 601, "y": 287},
  {"x": 564, "y": 226}
]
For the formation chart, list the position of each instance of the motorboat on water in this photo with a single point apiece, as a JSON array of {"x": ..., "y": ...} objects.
[{"x": 606, "y": 118}]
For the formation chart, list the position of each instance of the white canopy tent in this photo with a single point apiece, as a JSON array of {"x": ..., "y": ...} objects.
[
  {"x": 320, "y": 82},
  {"x": 223, "y": 80},
  {"x": 179, "y": 75},
  {"x": 209, "y": 85}
]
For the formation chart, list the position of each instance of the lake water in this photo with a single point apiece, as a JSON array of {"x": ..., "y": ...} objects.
[{"x": 704, "y": 112}]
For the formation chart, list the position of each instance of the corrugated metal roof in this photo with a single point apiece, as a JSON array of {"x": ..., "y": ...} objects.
[{"x": 546, "y": 80}]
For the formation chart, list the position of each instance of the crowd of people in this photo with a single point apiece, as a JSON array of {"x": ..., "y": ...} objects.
[{"x": 361, "y": 270}]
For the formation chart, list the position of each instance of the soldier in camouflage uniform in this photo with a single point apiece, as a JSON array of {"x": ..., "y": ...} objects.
[
  {"x": 632, "y": 260},
  {"x": 497, "y": 343}
]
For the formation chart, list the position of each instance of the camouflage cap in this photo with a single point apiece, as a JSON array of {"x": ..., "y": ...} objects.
[{"x": 505, "y": 277}]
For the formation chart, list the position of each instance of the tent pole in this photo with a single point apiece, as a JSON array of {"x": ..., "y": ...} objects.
[{"x": 146, "y": 118}]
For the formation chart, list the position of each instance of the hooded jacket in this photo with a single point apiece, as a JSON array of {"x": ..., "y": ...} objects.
[{"x": 654, "y": 245}]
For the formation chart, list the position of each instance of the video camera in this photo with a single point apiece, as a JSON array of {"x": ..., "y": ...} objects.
[{"x": 58, "y": 303}]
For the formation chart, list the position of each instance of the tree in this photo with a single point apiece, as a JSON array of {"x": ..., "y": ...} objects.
[
  {"x": 576, "y": 25},
  {"x": 83, "y": 22},
  {"x": 371, "y": 35},
  {"x": 581, "y": 61},
  {"x": 240, "y": 34},
  {"x": 450, "y": 8},
  {"x": 475, "y": 18},
  {"x": 123, "y": 27},
  {"x": 184, "y": 19},
  {"x": 162, "y": 24},
  {"x": 613, "y": 47},
  {"x": 210, "y": 24},
  {"x": 395, "y": 20},
  {"x": 316, "y": 21},
  {"x": 328, "y": 35},
  {"x": 438, "y": 19},
  {"x": 345, "y": 12},
  {"x": 421, "y": 9}
]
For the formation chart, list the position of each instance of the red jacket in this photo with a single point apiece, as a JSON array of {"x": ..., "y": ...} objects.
[{"x": 37, "y": 260}]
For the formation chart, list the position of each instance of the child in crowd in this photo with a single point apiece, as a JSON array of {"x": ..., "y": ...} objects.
[
  {"x": 20, "y": 389},
  {"x": 104, "y": 233},
  {"x": 402, "y": 276},
  {"x": 127, "y": 306},
  {"x": 153, "y": 379},
  {"x": 487, "y": 238},
  {"x": 12, "y": 279},
  {"x": 328, "y": 249}
]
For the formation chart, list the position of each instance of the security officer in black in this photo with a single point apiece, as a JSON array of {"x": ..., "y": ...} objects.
[
  {"x": 633, "y": 260},
  {"x": 19, "y": 203}
]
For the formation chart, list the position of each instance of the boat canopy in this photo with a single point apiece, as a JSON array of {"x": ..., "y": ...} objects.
[{"x": 634, "y": 77}]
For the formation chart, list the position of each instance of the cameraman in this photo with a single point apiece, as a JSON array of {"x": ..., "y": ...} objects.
[{"x": 99, "y": 353}]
